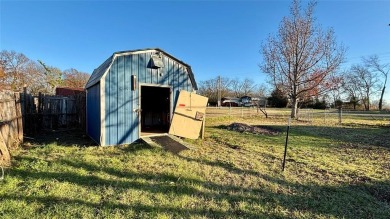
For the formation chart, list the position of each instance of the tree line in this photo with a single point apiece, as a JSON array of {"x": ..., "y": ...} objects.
[
  {"x": 220, "y": 87},
  {"x": 361, "y": 83},
  {"x": 18, "y": 71},
  {"x": 302, "y": 62}
]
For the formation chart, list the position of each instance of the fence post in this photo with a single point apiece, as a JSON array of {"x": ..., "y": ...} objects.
[
  {"x": 325, "y": 116},
  {"x": 40, "y": 110},
  {"x": 285, "y": 145},
  {"x": 19, "y": 117},
  {"x": 230, "y": 113},
  {"x": 340, "y": 114},
  {"x": 24, "y": 112}
]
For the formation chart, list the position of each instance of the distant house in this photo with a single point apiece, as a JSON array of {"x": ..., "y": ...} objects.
[
  {"x": 246, "y": 101},
  {"x": 230, "y": 101},
  {"x": 260, "y": 101},
  {"x": 133, "y": 94},
  {"x": 243, "y": 101}
]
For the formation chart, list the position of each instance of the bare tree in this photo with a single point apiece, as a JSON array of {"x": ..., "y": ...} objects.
[
  {"x": 335, "y": 86},
  {"x": 240, "y": 88},
  {"x": 364, "y": 82},
  {"x": 75, "y": 79},
  {"x": 209, "y": 88},
  {"x": 351, "y": 88},
  {"x": 14, "y": 69},
  {"x": 248, "y": 87},
  {"x": 301, "y": 55},
  {"x": 260, "y": 90},
  {"x": 235, "y": 86},
  {"x": 17, "y": 71},
  {"x": 374, "y": 64}
]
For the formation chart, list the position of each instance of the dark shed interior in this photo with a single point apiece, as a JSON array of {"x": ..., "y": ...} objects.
[{"x": 155, "y": 110}]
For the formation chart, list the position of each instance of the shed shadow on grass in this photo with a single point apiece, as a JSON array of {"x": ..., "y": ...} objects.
[
  {"x": 358, "y": 137},
  {"x": 124, "y": 180},
  {"x": 74, "y": 137},
  {"x": 317, "y": 199},
  {"x": 353, "y": 135}
]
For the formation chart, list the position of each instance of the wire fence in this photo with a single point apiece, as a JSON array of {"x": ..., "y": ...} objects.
[
  {"x": 213, "y": 112},
  {"x": 329, "y": 116}
]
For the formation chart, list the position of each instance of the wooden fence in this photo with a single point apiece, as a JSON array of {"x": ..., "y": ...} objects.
[
  {"x": 11, "y": 126},
  {"x": 48, "y": 112},
  {"x": 23, "y": 114}
]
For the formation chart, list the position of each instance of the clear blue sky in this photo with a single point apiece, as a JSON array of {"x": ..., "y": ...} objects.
[{"x": 214, "y": 37}]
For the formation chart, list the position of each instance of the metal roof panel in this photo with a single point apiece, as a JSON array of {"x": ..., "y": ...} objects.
[{"x": 102, "y": 69}]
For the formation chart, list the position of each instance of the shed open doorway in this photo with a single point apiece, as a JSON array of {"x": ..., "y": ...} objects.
[{"x": 155, "y": 110}]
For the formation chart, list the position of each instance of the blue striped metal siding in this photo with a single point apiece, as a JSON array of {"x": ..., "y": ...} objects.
[
  {"x": 93, "y": 114},
  {"x": 121, "y": 121}
]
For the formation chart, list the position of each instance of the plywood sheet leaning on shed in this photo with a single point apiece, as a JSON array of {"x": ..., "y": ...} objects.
[{"x": 189, "y": 115}]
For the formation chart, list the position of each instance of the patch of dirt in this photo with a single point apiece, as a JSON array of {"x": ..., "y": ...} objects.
[
  {"x": 75, "y": 137},
  {"x": 263, "y": 130}
]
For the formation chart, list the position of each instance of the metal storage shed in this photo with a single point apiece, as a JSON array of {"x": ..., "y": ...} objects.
[{"x": 133, "y": 93}]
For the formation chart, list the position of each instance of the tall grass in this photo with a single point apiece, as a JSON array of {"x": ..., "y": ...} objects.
[{"x": 332, "y": 171}]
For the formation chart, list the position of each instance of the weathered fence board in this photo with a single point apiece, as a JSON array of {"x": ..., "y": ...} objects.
[
  {"x": 11, "y": 126},
  {"x": 5, "y": 156},
  {"x": 47, "y": 112},
  {"x": 23, "y": 113}
]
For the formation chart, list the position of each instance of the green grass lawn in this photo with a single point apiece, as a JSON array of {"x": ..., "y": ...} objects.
[{"x": 333, "y": 171}]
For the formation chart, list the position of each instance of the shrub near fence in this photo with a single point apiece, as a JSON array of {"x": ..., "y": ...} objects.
[{"x": 11, "y": 126}]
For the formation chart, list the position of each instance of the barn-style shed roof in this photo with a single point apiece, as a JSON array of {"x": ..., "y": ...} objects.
[{"x": 103, "y": 68}]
